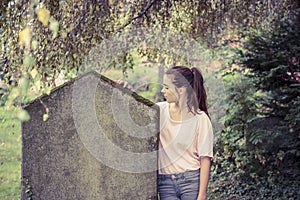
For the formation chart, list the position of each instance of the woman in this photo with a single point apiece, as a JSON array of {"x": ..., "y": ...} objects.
[{"x": 186, "y": 136}]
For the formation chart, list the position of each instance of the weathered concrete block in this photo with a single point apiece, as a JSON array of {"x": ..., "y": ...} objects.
[{"x": 99, "y": 142}]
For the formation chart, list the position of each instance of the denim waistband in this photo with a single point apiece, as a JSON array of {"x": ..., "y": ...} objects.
[{"x": 179, "y": 175}]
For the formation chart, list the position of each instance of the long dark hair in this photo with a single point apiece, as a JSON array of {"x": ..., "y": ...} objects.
[{"x": 192, "y": 79}]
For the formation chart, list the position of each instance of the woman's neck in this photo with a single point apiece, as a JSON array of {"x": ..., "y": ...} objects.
[{"x": 180, "y": 111}]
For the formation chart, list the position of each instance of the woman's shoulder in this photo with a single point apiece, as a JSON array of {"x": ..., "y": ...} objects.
[
  {"x": 162, "y": 104},
  {"x": 202, "y": 117}
]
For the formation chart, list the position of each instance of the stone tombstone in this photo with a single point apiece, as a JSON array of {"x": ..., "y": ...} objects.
[{"x": 99, "y": 142}]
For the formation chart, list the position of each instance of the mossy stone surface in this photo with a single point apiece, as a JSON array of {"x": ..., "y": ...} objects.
[{"x": 65, "y": 157}]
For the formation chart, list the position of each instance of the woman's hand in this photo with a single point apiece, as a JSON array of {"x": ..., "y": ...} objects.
[{"x": 124, "y": 84}]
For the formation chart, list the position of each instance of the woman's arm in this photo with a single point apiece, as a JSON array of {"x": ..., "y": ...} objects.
[{"x": 204, "y": 177}]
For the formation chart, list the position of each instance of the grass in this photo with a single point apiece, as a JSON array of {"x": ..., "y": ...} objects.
[{"x": 10, "y": 156}]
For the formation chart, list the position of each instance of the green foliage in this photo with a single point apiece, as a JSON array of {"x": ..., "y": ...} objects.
[
  {"x": 241, "y": 107},
  {"x": 273, "y": 60},
  {"x": 260, "y": 144},
  {"x": 251, "y": 156},
  {"x": 43, "y": 40}
]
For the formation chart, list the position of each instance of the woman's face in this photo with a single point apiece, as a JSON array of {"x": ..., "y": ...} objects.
[{"x": 169, "y": 90}]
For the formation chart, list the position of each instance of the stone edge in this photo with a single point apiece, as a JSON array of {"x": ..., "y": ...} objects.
[{"x": 106, "y": 80}]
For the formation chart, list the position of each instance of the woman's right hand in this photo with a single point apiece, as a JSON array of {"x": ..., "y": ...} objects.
[{"x": 124, "y": 84}]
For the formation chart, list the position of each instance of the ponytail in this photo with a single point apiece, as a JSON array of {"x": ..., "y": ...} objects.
[{"x": 199, "y": 91}]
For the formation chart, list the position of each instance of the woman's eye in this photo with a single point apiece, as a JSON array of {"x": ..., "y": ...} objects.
[{"x": 164, "y": 87}]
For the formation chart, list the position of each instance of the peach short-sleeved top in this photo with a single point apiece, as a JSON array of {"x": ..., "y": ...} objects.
[{"x": 182, "y": 143}]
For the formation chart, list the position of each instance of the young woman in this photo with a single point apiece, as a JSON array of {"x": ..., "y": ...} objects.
[{"x": 186, "y": 136}]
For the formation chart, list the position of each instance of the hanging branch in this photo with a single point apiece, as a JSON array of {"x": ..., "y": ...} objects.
[{"x": 141, "y": 14}]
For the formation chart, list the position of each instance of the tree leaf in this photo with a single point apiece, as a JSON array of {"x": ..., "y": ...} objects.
[
  {"x": 45, "y": 117},
  {"x": 14, "y": 93},
  {"x": 34, "y": 44},
  {"x": 54, "y": 26},
  {"x": 24, "y": 85},
  {"x": 25, "y": 37},
  {"x": 43, "y": 15},
  {"x": 33, "y": 73},
  {"x": 23, "y": 115},
  {"x": 47, "y": 90},
  {"x": 28, "y": 62}
]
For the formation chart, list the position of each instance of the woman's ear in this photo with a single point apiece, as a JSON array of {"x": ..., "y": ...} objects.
[{"x": 181, "y": 90}]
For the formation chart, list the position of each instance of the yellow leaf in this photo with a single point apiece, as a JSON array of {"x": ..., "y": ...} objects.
[
  {"x": 23, "y": 115},
  {"x": 24, "y": 85},
  {"x": 33, "y": 73},
  {"x": 47, "y": 90},
  {"x": 34, "y": 44},
  {"x": 43, "y": 15},
  {"x": 14, "y": 93},
  {"x": 25, "y": 37},
  {"x": 45, "y": 117},
  {"x": 54, "y": 26},
  {"x": 37, "y": 86}
]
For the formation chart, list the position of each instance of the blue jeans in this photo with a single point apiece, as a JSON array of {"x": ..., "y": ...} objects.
[{"x": 183, "y": 186}]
